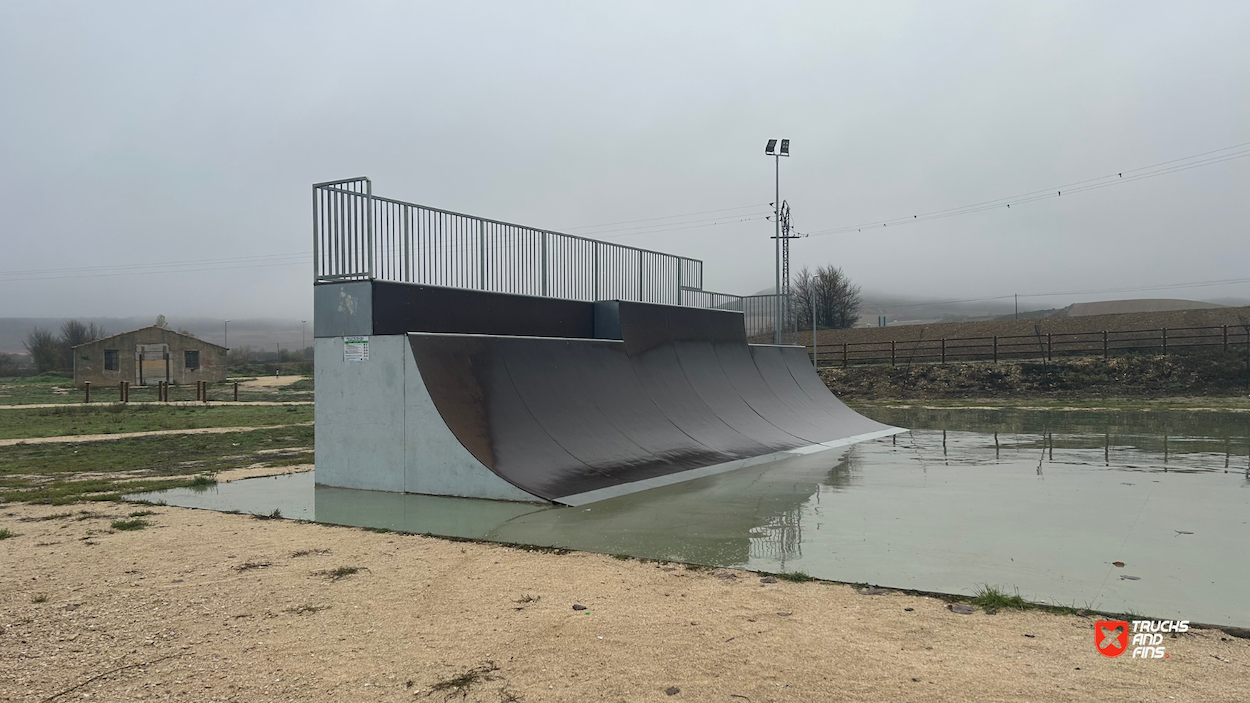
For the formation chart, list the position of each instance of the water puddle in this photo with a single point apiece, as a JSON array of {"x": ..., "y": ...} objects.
[{"x": 1040, "y": 501}]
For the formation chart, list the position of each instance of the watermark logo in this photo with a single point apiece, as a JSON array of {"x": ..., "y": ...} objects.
[{"x": 1111, "y": 637}]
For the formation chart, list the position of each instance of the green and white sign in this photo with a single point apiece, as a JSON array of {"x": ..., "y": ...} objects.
[{"x": 355, "y": 349}]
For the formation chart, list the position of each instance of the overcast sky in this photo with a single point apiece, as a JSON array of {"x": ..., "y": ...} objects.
[{"x": 138, "y": 133}]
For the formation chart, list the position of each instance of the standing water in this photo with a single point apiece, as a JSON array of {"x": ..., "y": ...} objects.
[{"x": 1040, "y": 502}]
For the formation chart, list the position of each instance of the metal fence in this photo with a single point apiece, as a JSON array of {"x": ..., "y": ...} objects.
[
  {"x": 1035, "y": 346},
  {"x": 360, "y": 236}
]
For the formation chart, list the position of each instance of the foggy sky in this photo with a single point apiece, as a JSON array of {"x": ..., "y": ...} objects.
[{"x": 152, "y": 132}]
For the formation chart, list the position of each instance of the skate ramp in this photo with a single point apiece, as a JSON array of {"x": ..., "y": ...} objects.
[{"x": 578, "y": 420}]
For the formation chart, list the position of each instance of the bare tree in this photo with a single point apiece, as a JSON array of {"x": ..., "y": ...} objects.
[
  {"x": 838, "y": 301},
  {"x": 72, "y": 334},
  {"x": 44, "y": 350},
  {"x": 160, "y": 322}
]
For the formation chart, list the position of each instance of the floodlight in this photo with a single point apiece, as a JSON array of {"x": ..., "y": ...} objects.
[
  {"x": 785, "y": 147},
  {"x": 770, "y": 149}
]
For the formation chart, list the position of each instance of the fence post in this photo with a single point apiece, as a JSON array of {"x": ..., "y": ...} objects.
[
  {"x": 844, "y": 355},
  {"x": 1225, "y": 340},
  {"x": 1104, "y": 344},
  {"x": 481, "y": 245},
  {"x": 944, "y": 350},
  {"x": 891, "y": 352},
  {"x": 236, "y": 391},
  {"x": 88, "y": 391},
  {"x": 995, "y": 349},
  {"x": 1050, "y": 356},
  {"x": 1165, "y": 341}
]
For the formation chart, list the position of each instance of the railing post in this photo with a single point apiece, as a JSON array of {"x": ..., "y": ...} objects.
[
  {"x": 891, "y": 352},
  {"x": 596, "y": 272},
  {"x": 944, "y": 350},
  {"x": 316, "y": 237},
  {"x": 641, "y": 297},
  {"x": 543, "y": 253},
  {"x": 995, "y": 349},
  {"x": 481, "y": 245},
  {"x": 1165, "y": 341},
  {"x": 1104, "y": 344},
  {"x": 408, "y": 244},
  {"x": 369, "y": 225}
]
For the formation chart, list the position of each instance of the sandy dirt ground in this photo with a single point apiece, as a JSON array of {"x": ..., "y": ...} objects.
[
  {"x": 266, "y": 382},
  {"x": 260, "y": 471},
  {"x": 204, "y": 606},
  {"x": 65, "y": 439}
]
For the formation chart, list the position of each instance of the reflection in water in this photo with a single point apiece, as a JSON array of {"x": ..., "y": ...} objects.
[{"x": 1041, "y": 501}]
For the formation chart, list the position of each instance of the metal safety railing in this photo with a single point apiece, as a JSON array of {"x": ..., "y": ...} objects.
[{"x": 360, "y": 236}]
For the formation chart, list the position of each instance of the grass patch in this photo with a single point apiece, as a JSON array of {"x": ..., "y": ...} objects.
[
  {"x": 60, "y": 389},
  {"x": 310, "y": 552},
  {"x": 341, "y": 572},
  {"x": 6, "y": 533},
  {"x": 203, "y": 481},
  {"x": 793, "y": 577},
  {"x": 275, "y": 515},
  {"x": 141, "y": 513},
  {"x": 129, "y": 525},
  {"x": 622, "y": 557},
  {"x": 117, "y": 418},
  {"x": 39, "y": 598},
  {"x": 460, "y": 685},
  {"x": 50, "y": 473},
  {"x": 991, "y": 600},
  {"x": 306, "y": 609}
]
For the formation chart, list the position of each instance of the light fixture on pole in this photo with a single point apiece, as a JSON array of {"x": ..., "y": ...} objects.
[{"x": 772, "y": 150}]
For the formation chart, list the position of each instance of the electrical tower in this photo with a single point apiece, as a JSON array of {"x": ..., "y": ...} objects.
[{"x": 789, "y": 319}]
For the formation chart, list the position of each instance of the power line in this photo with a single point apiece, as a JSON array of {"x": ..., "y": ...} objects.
[
  {"x": 1162, "y": 168},
  {"x": 666, "y": 217},
  {"x": 674, "y": 229}
]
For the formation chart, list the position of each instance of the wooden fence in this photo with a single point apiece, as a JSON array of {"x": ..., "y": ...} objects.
[{"x": 1033, "y": 346}]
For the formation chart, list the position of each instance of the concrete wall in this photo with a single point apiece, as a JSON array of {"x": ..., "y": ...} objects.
[
  {"x": 377, "y": 428},
  {"x": 89, "y": 358}
]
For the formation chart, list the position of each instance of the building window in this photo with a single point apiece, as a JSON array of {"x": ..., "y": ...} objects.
[
  {"x": 110, "y": 359},
  {"x": 192, "y": 359}
]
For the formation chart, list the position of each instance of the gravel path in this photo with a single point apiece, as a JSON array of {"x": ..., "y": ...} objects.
[{"x": 202, "y": 606}]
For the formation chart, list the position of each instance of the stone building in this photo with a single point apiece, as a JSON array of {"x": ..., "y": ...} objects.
[{"x": 147, "y": 356}]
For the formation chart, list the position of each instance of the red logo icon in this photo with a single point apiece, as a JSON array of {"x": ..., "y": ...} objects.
[{"x": 1111, "y": 636}]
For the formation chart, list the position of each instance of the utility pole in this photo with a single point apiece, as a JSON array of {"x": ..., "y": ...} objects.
[
  {"x": 1017, "y": 295},
  {"x": 303, "y": 337},
  {"x": 772, "y": 150},
  {"x": 225, "y": 334}
]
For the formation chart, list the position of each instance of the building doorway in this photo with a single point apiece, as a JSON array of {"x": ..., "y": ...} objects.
[{"x": 151, "y": 364}]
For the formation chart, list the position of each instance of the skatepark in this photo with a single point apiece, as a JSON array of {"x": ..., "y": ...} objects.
[{"x": 439, "y": 371}]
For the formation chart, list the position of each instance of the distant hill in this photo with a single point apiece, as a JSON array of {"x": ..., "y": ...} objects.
[{"x": 262, "y": 334}]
